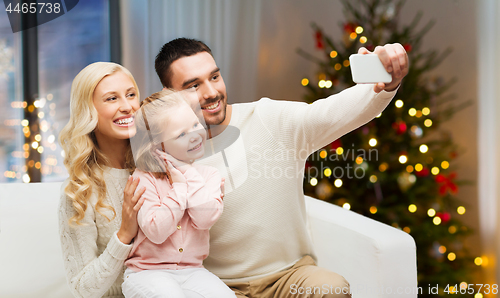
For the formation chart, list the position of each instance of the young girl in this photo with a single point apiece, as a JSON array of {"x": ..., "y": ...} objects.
[{"x": 182, "y": 201}]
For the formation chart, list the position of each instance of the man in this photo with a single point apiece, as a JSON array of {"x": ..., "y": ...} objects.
[{"x": 260, "y": 246}]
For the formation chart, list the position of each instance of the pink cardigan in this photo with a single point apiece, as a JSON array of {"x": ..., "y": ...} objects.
[{"x": 174, "y": 221}]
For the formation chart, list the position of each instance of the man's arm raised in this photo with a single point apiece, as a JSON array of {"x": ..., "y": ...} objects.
[{"x": 300, "y": 126}]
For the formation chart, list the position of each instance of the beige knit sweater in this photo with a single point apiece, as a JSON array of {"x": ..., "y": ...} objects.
[
  {"x": 93, "y": 255},
  {"x": 263, "y": 227}
]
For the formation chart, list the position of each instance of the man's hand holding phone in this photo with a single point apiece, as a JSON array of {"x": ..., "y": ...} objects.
[{"x": 394, "y": 61}]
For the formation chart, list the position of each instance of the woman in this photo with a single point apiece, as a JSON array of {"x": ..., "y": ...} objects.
[{"x": 99, "y": 204}]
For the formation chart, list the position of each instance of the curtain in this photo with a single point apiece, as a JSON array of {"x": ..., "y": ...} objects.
[
  {"x": 229, "y": 27},
  {"x": 488, "y": 43}
]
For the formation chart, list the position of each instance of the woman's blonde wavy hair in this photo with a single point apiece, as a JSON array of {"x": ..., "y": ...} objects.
[
  {"x": 83, "y": 158},
  {"x": 151, "y": 123}
]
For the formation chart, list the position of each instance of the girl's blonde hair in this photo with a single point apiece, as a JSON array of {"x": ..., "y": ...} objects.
[
  {"x": 83, "y": 158},
  {"x": 150, "y": 123}
]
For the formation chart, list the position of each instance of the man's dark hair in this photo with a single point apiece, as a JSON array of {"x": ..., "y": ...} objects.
[{"x": 173, "y": 50}]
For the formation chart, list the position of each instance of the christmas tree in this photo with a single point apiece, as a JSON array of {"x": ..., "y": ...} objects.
[{"x": 398, "y": 168}]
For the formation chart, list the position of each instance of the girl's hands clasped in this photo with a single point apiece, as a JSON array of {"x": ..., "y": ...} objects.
[
  {"x": 177, "y": 168},
  {"x": 178, "y": 164},
  {"x": 132, "y": 202}
]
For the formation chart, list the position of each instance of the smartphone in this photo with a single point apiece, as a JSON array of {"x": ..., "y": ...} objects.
[{"x": 368, "y": 69}]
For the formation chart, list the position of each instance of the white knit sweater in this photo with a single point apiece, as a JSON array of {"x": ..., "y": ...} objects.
[
  {"x": 93, "y": 255},
  {"x": 263, "y": 227}
]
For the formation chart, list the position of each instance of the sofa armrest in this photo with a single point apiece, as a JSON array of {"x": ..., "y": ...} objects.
[
  {"x": 376, "y": 259},
  {"x": 30, "y": 250}
]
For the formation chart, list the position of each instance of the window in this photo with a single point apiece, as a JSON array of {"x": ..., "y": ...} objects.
[
  {"x": 65, "y": 46},
  {"x": 11, "y": 112}
]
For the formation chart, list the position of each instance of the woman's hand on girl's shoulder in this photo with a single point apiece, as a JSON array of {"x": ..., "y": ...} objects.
[{"x": 132, "y": 202}]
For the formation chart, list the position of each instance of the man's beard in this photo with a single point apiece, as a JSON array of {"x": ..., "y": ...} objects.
[{"x": 222, "y": 110}]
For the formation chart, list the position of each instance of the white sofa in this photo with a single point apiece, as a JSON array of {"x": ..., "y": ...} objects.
[{"x": 377, "y": 260}]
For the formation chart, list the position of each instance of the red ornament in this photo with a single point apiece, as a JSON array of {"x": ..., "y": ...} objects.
[
  {"x": 422, "y": 173},
  {"x": 400, "y": 127},
  {"x": 320, "y": 44},
  {"x": 453, "y": 154},
  {"x": 335, "y": 144},
  {"x": 440, "y": 178},
  {"x": 350, "y": 27},
  {"x": 447, "y": 183},
  {"x": 407, "y": 47},
  {"x": 444, "y": 216}
]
